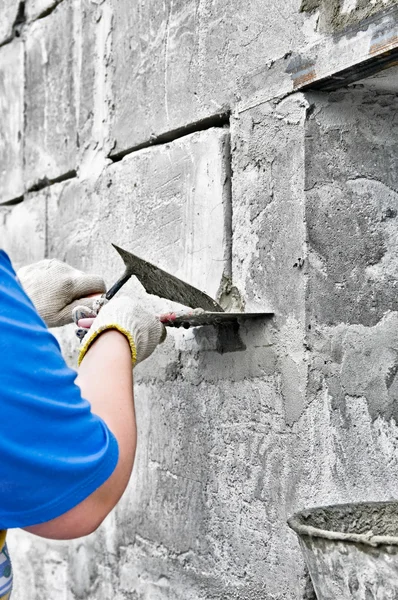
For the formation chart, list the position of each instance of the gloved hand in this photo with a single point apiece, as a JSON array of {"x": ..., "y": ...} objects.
[
  {"x": 56, "y": 288},
  {"x": 143, "y": 330}
]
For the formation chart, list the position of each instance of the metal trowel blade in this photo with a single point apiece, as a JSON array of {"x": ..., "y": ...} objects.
[
  {"x": 160, "y": 283},
  {"x": 196, "y": 319}
]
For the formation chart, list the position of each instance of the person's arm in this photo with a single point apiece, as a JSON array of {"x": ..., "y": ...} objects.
[
  {"x": 69, "y": 449},
  {"x": 106, "y": 380}
]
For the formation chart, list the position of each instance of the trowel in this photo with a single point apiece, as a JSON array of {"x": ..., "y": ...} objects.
[{"x": 203, "y": 310}]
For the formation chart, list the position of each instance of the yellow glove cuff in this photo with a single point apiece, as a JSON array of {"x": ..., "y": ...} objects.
[
  {"x": 88, "y": 340},
  {"x": 3, "y": 534}
]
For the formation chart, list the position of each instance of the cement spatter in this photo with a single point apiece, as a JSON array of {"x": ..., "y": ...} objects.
[
  {"x": 332, "y": 17},
  {"x": 229, "y": 297}
]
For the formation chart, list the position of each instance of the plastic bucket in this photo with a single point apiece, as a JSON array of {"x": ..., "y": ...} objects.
[{"x": 351, "y": 550}]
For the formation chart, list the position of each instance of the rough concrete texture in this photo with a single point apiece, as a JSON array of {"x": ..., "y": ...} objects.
[
  {"x": 190, "y": 60},
  {"x": 351, "y": 184},
  {"x": 268, "y": 229},
  {"x": 352, "y": 206},
  {"x": 336, "y": 15},
  {"x": 11, "y": 121},
  {"x": 50, "y": 135},
  {"x": 94, "y": 101},
  {"x": 231, "y": 444},
  {"x": 107, "y": 77},
  {"x": 125, "y": 74},
  {"x": 9, "y": 12}
]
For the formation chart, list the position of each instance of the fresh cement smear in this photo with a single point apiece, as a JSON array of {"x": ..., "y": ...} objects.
[{"x": 368, "y": 523}]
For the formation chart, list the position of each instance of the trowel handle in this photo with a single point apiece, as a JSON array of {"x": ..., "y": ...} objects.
[{"x": 119, "y": 284}]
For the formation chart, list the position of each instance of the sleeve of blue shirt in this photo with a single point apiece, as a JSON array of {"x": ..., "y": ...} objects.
[{"x": 53, "y": 451}]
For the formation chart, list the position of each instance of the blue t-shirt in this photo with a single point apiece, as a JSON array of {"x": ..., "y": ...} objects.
[{"x": 53, "y": 451}]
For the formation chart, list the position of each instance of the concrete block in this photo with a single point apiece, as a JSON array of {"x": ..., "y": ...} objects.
[
  {"x": 9, "y": 11},
  {"x": 269, "y": 249},
  {"x": 196, "y": 472},
  {"x": 93, "y": 40},
  {"x": 180, "y": 62},
  {"x": 168, "y": 204},
  {"x": 11, "y": 120},
  {"x": 269, "y": 206},
  {"x": 50, "y": 137},
  {"x": 352, "y": 204},
  {"x": 23, "y": 230}
]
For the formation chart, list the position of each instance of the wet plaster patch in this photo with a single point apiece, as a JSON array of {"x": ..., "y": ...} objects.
[
  {"x": 357, "y": 364},
  {"x": 292, "y": 366},
  {"x": 370, "y": 366},
  {"x": 351, "y": 209}
]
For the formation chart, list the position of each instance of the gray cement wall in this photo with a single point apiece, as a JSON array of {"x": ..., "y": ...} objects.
[{"x": 173, "y": 130}]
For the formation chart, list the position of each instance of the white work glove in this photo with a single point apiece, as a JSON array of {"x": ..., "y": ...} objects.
[
  {"x": 56, "y": 288},
  {"x": 143, "y": 330}
]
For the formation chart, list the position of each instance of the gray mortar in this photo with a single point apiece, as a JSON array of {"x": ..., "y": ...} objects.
[
  {"x": 372, "y": 523},
  {"x": 229, "y": 297},
  {"x": 352, "y": 189},
  {"x": 333, "y": 20}
]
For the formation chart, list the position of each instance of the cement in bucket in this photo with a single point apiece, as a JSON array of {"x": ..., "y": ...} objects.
[{"x": 351, "y": 550}]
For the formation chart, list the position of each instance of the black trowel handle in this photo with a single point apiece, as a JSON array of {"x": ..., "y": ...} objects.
[{"x": 119, "y": 284}]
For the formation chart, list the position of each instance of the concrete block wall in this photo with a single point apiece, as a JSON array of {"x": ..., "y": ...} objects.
[{"x": 172, "y": 130}]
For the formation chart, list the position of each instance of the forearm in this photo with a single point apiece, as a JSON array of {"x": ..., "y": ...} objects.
[
  {"x": 106, "y": 381},
  {"x": 105, "y": 378}
]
